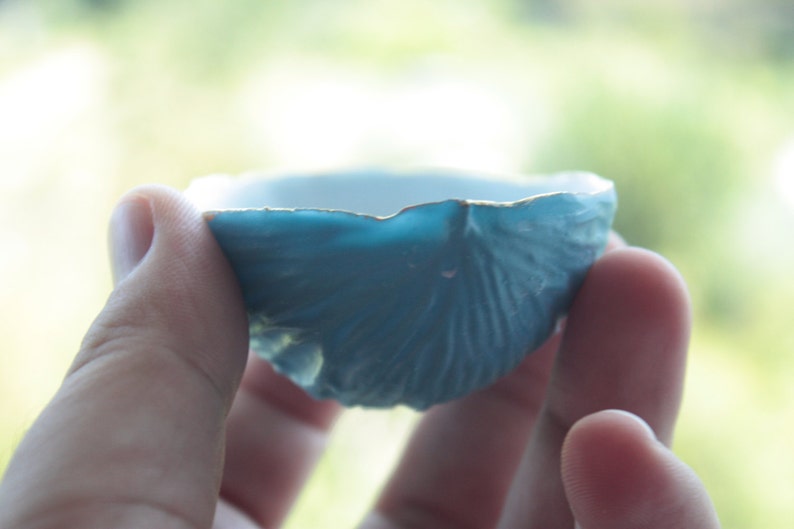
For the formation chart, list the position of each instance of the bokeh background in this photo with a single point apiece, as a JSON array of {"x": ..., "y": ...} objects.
[{"x": 687, "y": 105}]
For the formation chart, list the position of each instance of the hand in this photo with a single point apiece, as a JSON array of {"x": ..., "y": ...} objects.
[{"x": 136, "y": 435}]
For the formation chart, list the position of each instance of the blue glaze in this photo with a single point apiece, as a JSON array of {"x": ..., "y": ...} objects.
[{"x": 419, "y": 307}]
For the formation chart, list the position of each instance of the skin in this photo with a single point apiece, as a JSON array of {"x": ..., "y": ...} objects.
[{"x": 163, "y": 420}]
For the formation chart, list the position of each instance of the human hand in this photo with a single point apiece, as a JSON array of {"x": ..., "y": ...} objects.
[{"x": 159, "y": 392}]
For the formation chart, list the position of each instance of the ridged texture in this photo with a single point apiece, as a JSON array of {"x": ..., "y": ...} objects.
[{"x": 417, "y": 308}]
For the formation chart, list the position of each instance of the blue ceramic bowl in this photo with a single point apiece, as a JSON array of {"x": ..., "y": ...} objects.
[{"x": 377, "y": 288}]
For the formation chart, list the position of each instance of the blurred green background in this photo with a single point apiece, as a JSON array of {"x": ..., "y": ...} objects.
[{"x": 688, "y": 106}]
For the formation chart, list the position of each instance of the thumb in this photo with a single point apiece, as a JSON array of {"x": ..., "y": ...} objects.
[
  {"x": 134, "y": 436},
  {"x": 617, "y": 475}
]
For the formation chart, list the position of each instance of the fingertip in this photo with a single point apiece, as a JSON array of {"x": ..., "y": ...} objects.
[
  {"x": 173, "y": 284},
  {"x": 642, "y": 274},
  {"x": 608, "y": 432},
  {"x": 138, "y": 216},
  {"x": 183, "y": 252},
  {"x": 612, "y": 438},
  {"x": 617, "y": 475}
]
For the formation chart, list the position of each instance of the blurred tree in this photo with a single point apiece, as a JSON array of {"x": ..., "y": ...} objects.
[
  {"x": 671, "y": 163},
  {"x": 103, "y": 5},
  {"x": 543, "y": 11}
]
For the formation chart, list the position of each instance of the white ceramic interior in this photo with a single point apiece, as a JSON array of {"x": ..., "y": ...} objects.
[{"x": 376, "y": 192}]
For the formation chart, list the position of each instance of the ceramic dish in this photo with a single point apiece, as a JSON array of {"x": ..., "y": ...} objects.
[{"x": 378, "y": 288}]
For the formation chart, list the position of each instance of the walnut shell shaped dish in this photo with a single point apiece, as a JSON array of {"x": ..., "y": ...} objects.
[{"x": 378, "y": 288}]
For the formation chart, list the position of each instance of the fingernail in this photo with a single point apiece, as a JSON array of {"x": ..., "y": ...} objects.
[{"x": 131, "y": 233}]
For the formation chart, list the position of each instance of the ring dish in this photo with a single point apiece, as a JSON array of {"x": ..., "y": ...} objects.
[{"x": 379, "y": 288}]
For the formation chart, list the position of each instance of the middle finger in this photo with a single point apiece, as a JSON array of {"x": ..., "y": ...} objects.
[
  {"x": 460, "y": 461},
  {"x": 624, "y": 347},
  {"x": 275, "y": 434}
]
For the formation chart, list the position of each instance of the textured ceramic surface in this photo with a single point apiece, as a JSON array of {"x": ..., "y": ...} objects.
[{"x": 378, "y": 289}]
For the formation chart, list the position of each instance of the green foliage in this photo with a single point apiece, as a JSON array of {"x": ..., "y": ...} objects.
[{"x": 663, "y": 156}]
